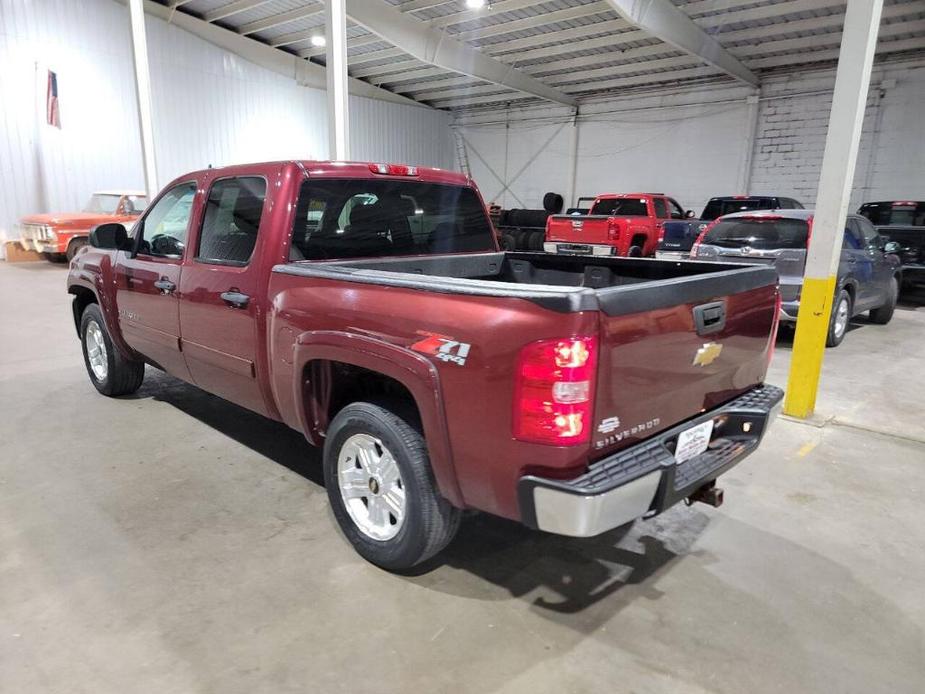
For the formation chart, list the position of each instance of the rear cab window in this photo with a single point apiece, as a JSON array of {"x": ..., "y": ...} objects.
[
  {"x": 759, "y": 233},
  {"x": 720, "y": 207},
  {"x": 349, "y": 218},
  {"x": 621, "y": 207},
  {"x": 898, "y": 213}
]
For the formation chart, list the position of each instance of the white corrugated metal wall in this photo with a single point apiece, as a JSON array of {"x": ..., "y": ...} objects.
[
  {"x": 655, "y": 143},
  {"x": 211, "y": 107}
]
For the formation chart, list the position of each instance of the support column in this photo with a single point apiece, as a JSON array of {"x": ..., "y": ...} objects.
[
  {"x": 572, "y": 195},
  {"x": 751, "y": 125},
  {"x": 852, "y": 79},
  {"x": 336, "y": 67},
  {"x": 136, "y": 12}
]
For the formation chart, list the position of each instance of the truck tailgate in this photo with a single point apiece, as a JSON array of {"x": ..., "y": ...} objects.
[
  {"x": 577, "y": 229},
  {"x": 664, "y": 365}
]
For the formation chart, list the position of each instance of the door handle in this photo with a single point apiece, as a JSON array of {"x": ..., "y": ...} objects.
[
  {"x": 235, "y": 298},
  {"x": 165, "y": 285}
]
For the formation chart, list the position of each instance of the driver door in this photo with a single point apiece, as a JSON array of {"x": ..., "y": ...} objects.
[{"x": 146, "y": 281}]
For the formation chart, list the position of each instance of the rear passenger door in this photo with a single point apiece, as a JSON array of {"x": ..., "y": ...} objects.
[
  {"x": 220, "y": 293},
  {"x": 881, "y": 269},
  {"x": 860, "y": 263}
]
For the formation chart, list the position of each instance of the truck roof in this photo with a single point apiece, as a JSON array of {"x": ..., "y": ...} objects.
[
  {"x": 352, "y": 169},
  {"x": 611, "y": 196},
  {"x": 782, "y": 213}
]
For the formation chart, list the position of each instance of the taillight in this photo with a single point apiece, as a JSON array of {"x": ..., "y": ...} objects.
[
  {"x": 695, "y": 249},
  {"x": 661, "y": 234},
  {"x": 613, "y": 229},
  {"x": 554, "y": 391},
  {"x": 809, "y": 231},
  {"x": 774, "y": 326}
]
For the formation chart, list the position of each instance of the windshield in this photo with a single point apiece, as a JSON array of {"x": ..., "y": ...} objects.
[
  {"x": 621, "y": 207},
  {"x": 359, "y": 219},
  {"x": 763, "y": 234},
  {"x": 102, "y": 203},
  {"x": 720, "y": 208},
  {"x": 895, "y": 213}
]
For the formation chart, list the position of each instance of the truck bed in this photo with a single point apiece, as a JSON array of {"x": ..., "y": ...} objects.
[{"x": 615, "y": 286}]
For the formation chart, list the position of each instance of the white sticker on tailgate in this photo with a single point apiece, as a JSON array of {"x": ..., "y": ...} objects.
[{"x": 694, "y": 441}]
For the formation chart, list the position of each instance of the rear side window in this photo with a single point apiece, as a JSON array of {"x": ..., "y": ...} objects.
[
  {"x": 231, "y": 220},
  {"x": 344, "y": 218},
  {"x": 764, "y": 234},
  {"x": 661, "y": 209},
  {"x": 621, "y": 207}
]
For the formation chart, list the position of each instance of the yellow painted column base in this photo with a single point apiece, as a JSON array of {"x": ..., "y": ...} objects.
[{"x": 816, "y": 300}]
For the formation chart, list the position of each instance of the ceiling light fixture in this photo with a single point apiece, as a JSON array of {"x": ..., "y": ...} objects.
[
  {"x": 318, "y": 40},
  {"x": 475, "y": 4}
]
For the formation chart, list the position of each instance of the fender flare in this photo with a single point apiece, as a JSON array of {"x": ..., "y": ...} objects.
[
  {"x": 82, "y": 279},
  {"x": 414, "y": 371}
]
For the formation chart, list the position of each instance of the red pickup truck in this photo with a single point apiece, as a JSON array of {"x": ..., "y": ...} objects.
[
  {"x": 368, "y": 306},
  {"x": 626, "y": 224}
]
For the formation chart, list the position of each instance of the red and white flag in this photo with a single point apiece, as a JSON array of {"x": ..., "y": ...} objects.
[{"x": 51, "y": 101}]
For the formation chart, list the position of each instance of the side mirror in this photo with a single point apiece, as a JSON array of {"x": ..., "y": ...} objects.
[
  {"x": 111, "y": 236},
  {"x": 689, "y": 214},
  {"x": 891, "y": 247}
]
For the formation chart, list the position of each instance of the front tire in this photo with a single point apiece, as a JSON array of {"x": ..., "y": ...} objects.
[
  {"x": 841, "y": 317},
  {"x": 110, "y": 372},
  {"x": 883, "y": 314},
  {"x": 381, "y": 486}
]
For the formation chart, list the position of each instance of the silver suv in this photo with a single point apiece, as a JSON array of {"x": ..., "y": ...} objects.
[{"x": 868, "y": 274}]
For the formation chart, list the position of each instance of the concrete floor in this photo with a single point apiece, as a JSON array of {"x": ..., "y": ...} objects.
[{"x": 172, "y": 542}]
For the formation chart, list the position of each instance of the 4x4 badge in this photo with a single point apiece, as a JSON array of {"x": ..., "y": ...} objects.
[{"x": 443, "y": 348}]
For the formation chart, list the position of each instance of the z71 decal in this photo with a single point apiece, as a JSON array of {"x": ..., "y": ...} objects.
[{"x": 443, "y": 348}]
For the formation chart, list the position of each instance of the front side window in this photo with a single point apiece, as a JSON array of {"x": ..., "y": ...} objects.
[
  {"x": 231, "y": 220},
  {"x": 341, "y": 218},
  {"x": 676, "y": 210},
  {"x": 163, "y": 230},
  {"x": 870, "y": 235}
]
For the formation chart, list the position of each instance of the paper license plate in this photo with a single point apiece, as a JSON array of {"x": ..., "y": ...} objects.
[{"x": 694, "y": 441}]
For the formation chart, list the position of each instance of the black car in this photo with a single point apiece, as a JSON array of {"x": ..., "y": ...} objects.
[
  {"x": 679, "y": 236},
  {"x": 902, "y": 221}
]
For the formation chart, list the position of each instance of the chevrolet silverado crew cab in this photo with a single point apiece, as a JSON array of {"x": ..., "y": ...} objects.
[
  {"x": 625, "y": 224},
  {"x": 368, "y": 306}
]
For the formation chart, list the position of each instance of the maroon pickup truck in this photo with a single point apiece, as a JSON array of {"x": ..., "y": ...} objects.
[{"x": 368, "y": 306}]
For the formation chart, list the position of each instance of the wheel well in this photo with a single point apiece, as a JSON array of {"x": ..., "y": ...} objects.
[
  {"x": 329, "y": 386},
  {"x": 639, "y": 240},
  {"x": 83, "y": 297}
]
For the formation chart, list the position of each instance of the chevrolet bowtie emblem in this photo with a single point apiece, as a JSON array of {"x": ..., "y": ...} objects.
[{"x": 707, "y": 354}]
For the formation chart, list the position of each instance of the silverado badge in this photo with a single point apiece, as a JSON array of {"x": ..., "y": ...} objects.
[{"x": 707, "y": 354}]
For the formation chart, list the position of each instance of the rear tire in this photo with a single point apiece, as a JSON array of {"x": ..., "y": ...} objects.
[
  {"x": 110, "y": 372},
  {"x": 634, "y": 252},
  {"x": 75, "y": 246},
  {"x": 883, "y": 314},
  {"x": 375, "y": 463},
  {"x": 839, "y": 320},
  {"x": 508, "y": 243}
]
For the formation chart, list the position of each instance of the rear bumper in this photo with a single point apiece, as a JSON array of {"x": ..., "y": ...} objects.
[
  {"x": 673, "y": 255},
  {"x": 644, "y": 480},
  {"x": 565, "y": 248}
]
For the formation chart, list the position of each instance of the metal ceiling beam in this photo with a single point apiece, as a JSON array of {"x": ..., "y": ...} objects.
[
  {"x": 666, "y": 22},
  {"x": 232, "y": 9},
  {"x": 434, "y": 47},
  {"x": 280, "y": 19},
  {"x": 303, "y": 72}
]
